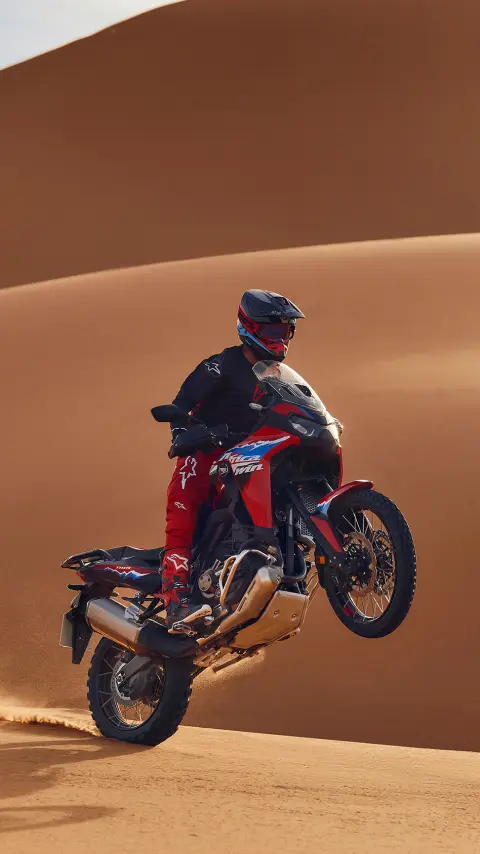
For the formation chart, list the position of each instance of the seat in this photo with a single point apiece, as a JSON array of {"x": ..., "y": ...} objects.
[
  {"x": 121, "y": 566},
  {"x": 125, "y": 555},
  {"x": 131, "y": 555}
]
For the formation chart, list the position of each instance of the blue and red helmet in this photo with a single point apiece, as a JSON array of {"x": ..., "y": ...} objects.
[{"x": 266, "y": 323}]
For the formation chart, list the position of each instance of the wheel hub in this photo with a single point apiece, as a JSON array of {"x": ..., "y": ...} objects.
[
  {"x": 140, "y": 686},
  {"x": 363, "y": 561},
  {"x": 120, "y": 690}
]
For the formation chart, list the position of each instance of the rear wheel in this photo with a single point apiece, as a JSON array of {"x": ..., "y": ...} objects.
[
  {"x": 375, "y": 594},
  {"x": 157, "y": 710}
]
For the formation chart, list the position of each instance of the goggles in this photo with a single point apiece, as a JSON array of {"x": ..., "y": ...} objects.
[{"x": 276, "y": 331}]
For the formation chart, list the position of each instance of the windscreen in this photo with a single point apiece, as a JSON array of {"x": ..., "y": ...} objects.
[{"x": 290, "y": 385}]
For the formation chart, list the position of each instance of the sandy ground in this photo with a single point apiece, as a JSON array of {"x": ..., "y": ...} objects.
[
  {"x": 219, "y": 126},
  {"x": 207, "y": 790}
]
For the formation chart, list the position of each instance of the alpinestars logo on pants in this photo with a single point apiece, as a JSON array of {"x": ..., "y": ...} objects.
[
  {"x": 179, "y": 561},
  {"x": 189, "y": 469}
]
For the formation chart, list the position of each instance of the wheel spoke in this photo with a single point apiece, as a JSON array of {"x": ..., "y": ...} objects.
[
  {"x": 369, "y": 545},
  {"x": 121, "y": 712}
]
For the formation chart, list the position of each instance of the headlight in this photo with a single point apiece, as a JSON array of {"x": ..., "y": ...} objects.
[{"x": 305, "y": 429}]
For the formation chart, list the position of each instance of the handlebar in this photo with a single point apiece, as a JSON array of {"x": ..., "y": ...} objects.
[{"x": 199, "y": 438}]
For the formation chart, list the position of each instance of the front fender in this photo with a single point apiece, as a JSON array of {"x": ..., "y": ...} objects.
[
  {"x": 325, "y": 534},
  {"x": 326, "y": 502}
]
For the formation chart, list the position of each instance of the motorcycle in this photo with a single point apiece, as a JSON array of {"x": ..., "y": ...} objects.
[{"x": 281, "y": 525}]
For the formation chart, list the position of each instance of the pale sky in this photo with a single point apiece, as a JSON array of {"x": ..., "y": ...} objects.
[{"x": 30, "y": 27}]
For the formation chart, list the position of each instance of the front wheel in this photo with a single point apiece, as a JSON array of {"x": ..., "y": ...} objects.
[
  {"x": 373, "y": 596},
  {"x": 156, "y": 709}
]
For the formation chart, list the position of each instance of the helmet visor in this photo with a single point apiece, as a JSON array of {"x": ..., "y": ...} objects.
[{"x": 276, "y": 331}]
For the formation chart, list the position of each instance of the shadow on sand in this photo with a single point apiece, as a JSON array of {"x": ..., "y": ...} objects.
[
  {"x": 33, "y": 766},
  {"x": 37, "y": 818}
]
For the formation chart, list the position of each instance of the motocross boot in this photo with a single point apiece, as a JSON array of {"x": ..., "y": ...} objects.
[{"x": 181, "y": 612}]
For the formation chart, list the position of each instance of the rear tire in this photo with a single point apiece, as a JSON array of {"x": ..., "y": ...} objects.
[
  {"x": 174, "y": 687},
  {"x": 404, "y": 556}
]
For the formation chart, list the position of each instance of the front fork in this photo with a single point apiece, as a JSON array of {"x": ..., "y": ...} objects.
[{"x": 329, "y": 551}]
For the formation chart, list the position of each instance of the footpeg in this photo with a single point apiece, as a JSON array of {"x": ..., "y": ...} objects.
[
  {"x": 186, "y": 626},
  {"x": 182, "y": 628}
]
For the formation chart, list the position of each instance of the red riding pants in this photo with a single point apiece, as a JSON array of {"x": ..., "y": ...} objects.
[{"x": 188, "y": 490}]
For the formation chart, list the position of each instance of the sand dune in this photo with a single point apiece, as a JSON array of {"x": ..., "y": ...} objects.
[
  {"x": 214, "y": 126},
  {"x": 82, "y": 361},
  {"x": 200, "y": 792}
]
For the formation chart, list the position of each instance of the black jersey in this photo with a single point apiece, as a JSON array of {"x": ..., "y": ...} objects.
[{"x": 219, "y": 391}]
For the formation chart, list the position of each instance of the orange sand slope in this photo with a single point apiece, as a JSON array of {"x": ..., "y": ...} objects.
[
  {"x": 207, "y": 790},
  {"x": 391, "y": 342},
  {"x": 220, "y": 126}
]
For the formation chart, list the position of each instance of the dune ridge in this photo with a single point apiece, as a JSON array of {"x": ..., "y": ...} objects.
[{"x": 211, "y": 127}]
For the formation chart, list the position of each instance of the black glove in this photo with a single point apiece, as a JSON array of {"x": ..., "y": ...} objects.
[{"x": 176, "y": 431}]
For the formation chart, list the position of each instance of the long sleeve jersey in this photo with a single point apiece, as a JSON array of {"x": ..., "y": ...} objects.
[{"x": 219, "y": 391}]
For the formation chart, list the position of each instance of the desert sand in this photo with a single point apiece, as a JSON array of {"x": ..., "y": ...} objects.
[
  {"x": 219, "y": 126},
  {"x": 211, "y": 130},
  {"x": 221, "y": 791}
]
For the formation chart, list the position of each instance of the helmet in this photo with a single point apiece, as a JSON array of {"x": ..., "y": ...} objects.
[{"x": 266, "y": 323}]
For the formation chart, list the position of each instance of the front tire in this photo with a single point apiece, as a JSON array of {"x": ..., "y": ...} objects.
[
  {"x": 389, "y": 549},
  {"x": 148, "y": 721}
]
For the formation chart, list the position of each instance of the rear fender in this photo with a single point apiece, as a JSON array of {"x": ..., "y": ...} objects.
[{"x": 75, "y": 633}]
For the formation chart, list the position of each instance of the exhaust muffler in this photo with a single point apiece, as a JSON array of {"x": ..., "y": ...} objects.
[{"x": 110, "y": 619}]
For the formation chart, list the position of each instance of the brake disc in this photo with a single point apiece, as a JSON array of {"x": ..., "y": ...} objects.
[{"x": 383, "y": 551}]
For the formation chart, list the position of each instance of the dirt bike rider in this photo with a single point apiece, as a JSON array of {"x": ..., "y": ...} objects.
[{"x": 218, "y": 391}]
